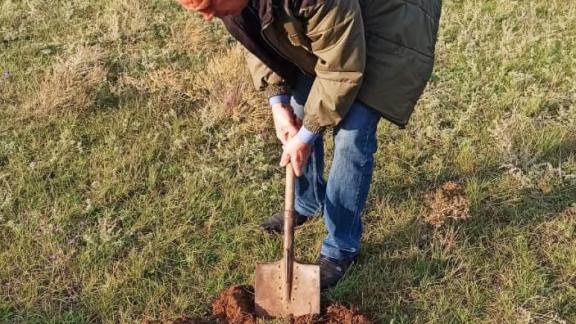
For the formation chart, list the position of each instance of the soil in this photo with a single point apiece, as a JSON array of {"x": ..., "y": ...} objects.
[
  {"x": 236, "y": 306},
  {"x": 336, "y": 314}
]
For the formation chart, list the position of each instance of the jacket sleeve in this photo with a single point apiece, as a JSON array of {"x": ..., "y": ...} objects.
[
  {"x": 264, "y": 78},
  {"x": 336, "y": 31}
]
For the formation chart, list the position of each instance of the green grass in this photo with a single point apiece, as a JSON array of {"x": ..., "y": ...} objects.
[{"x": 136, "y": 162}]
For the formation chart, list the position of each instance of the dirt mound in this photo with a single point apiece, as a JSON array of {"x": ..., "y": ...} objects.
[
  {"x": 336, "y": 314},
  {"x": 236, "y": 306},
  {"x": 340, "y": 314},
  {"x": 447, "y": 202}
]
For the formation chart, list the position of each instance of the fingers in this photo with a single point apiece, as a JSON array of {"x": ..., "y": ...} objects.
[
  {"x": 297, "y": 166},
  {"x": 296, "y": 159},
  {"x": 188, "y": 4},
  {"x": 296, "y": 163},
  {"x": 203, "y": 5},
  {"x": 194, "y": 5},
  {"x": 285, "y": 159}
]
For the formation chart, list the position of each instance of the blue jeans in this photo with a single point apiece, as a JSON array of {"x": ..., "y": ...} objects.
[{"x": 343, "y": 197}]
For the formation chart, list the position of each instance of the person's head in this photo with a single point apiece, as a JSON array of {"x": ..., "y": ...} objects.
[{"x": 215, "y": 8}]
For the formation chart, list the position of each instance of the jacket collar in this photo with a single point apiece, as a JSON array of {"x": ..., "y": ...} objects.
[{"x": 265, "y": 11}]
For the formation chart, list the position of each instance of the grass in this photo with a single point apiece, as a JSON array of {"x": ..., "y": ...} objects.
[{"x": 136, "y": 162}]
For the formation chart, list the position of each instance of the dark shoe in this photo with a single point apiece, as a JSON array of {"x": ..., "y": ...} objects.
[
  {"x": 275, "y": 224},
  {"x": 332, "y": 270}
]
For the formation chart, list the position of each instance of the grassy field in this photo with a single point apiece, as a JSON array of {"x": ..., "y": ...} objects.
[{"x": 136, "y": 162}]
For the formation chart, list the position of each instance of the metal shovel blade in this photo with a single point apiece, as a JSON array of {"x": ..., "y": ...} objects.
[
  {"x": 271, "y": 297},
  {"x": 287, "y": 288}
]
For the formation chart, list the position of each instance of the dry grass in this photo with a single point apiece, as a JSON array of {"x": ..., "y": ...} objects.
[
  {"x": 189, "y": 35},
  {"x": 72, "y": 84},
  {"x": 124, "y": 19},
  {"x": 230, "y": 93},
  {"x": 447, "y": 202}
]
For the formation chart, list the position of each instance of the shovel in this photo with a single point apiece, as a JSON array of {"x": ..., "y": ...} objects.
[{"x": 287, "y": 288}]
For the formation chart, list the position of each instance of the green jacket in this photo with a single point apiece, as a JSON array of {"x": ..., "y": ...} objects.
[{"x": 380, "y": 52}]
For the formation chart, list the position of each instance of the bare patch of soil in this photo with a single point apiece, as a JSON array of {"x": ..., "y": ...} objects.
[
  {"x": 235, "y": 305},
  {"x": 447, "y": 202}
]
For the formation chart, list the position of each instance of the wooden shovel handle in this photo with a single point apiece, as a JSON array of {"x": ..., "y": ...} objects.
[
  {"x": 289, "y": 212},
  {"x": 289, "y": 229}
]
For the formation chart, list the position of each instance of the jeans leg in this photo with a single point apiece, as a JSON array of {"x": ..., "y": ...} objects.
[
  {"x": 349, "y": 181},
  {"x": 311, "y": 186}
]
